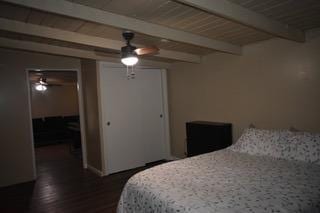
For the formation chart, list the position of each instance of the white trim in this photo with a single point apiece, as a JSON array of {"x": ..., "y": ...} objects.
[
  {"x": 166, "y": 112},
  {"x": 101, "y": 121},
  {"x": 244, "y": 16},
  {"x": 31, "y": 127},
  {"x": 86, "y": 13},
  {"x": 81, "y": 112},
  {"x": 82, "y": 119},
  {"x": 95, "y": 170},
  {"x": 79, "y": 38}
]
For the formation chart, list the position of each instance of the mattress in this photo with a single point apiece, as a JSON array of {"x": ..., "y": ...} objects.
[{"x": 223, "y": 182}]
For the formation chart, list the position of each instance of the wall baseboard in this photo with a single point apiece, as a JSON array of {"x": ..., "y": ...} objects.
[
  {"x": 95, "y": 170},
  {"x": 173, "y": 158}
]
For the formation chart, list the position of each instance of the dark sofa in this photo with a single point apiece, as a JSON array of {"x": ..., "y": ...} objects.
[{"x": 52, "y": 130}]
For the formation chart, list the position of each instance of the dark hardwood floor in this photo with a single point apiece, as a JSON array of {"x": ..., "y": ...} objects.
[{"x": 63, "y": 186}]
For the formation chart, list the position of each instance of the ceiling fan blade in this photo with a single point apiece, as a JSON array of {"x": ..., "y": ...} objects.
[
  {"x": 38, "y": 83},
  {"x": 54, "y": 85},
  {"x": 43, "y": 81},
  {"x": 147, "y": 50}
]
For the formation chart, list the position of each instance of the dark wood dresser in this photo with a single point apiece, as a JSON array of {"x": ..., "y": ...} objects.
[{"x": 204, "y": 136}]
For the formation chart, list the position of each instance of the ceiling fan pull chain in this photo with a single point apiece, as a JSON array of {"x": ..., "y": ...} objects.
[
  {"x": 133, "y": 74},
  {"x": 128, "y": 74}
]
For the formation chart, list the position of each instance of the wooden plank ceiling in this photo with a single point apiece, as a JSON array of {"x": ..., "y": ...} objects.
[
  {"x": 303, "y": 15},
  {"x": 41, "y": 18},
  {"x": 182, "y": 17}
]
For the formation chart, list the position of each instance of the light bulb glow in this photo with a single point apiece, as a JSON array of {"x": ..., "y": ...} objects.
[
  {"x": 41, "y": 87},
  {"x": 130, "y": 61}
]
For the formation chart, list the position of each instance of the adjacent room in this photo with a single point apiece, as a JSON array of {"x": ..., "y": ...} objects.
[
  {"x": 55, "y": 108},
  {"x": 160, "y": 106},
  {"x": 55, "y": 119}
]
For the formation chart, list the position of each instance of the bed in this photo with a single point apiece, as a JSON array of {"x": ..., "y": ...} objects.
[{"x": 265, "y": 171}]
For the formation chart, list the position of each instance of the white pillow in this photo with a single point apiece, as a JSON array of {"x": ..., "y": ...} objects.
[
  {"x": 302, "y": 146},
  {"x": 261, "y": 142}
]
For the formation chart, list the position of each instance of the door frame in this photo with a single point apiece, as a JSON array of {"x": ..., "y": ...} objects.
[
  {"x": 101, "y": 106},
  {"x": 81, "y": 114}
]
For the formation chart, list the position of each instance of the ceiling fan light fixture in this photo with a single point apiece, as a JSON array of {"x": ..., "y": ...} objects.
[
  {"x": 130, "y": 60},
  {"x": 128, "y": 55},
  {"x": 41, "y": 87}
]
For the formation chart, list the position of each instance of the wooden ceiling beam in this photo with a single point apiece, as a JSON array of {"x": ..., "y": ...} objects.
[
  {"x": 237, "y": 13},
  {"x": 98, "y": 42},
  {"x": 71, "y": 52},
  {"x": 86, "y": 13}
]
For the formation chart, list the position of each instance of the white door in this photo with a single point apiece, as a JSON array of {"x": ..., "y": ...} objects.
[
  {"x": 133, "y": 122},
  {"x": 151, "y": 106}
]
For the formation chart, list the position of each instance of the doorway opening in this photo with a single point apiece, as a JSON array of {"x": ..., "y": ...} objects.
[{"x": 57, "y": 120}]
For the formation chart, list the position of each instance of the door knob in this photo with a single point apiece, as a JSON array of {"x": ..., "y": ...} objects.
[{"x": 108, "y": 123}]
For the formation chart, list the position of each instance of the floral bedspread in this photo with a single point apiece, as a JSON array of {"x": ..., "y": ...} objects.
[{"x": 224, "y": 182}]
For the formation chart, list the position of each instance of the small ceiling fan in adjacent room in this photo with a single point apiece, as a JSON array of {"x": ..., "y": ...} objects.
[
  {"x": 130, "y": 53},
  {"x": 41, "y": 84}
]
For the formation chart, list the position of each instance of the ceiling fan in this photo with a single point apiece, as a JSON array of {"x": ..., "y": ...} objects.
[
  {"x": 42, "y": 84},
  {"x": 130, "y": 53}
]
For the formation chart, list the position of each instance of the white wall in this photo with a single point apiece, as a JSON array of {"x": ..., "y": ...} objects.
[
  {"x": 55, "y": 101},
  {"x": 274, "y": 84},
  {"x": 16, "y": 162}
]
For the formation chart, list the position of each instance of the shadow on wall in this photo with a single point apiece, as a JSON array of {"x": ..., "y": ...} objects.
[
  {"x": 274, "y": 84},
  {"x": 22, "y": 192}
]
